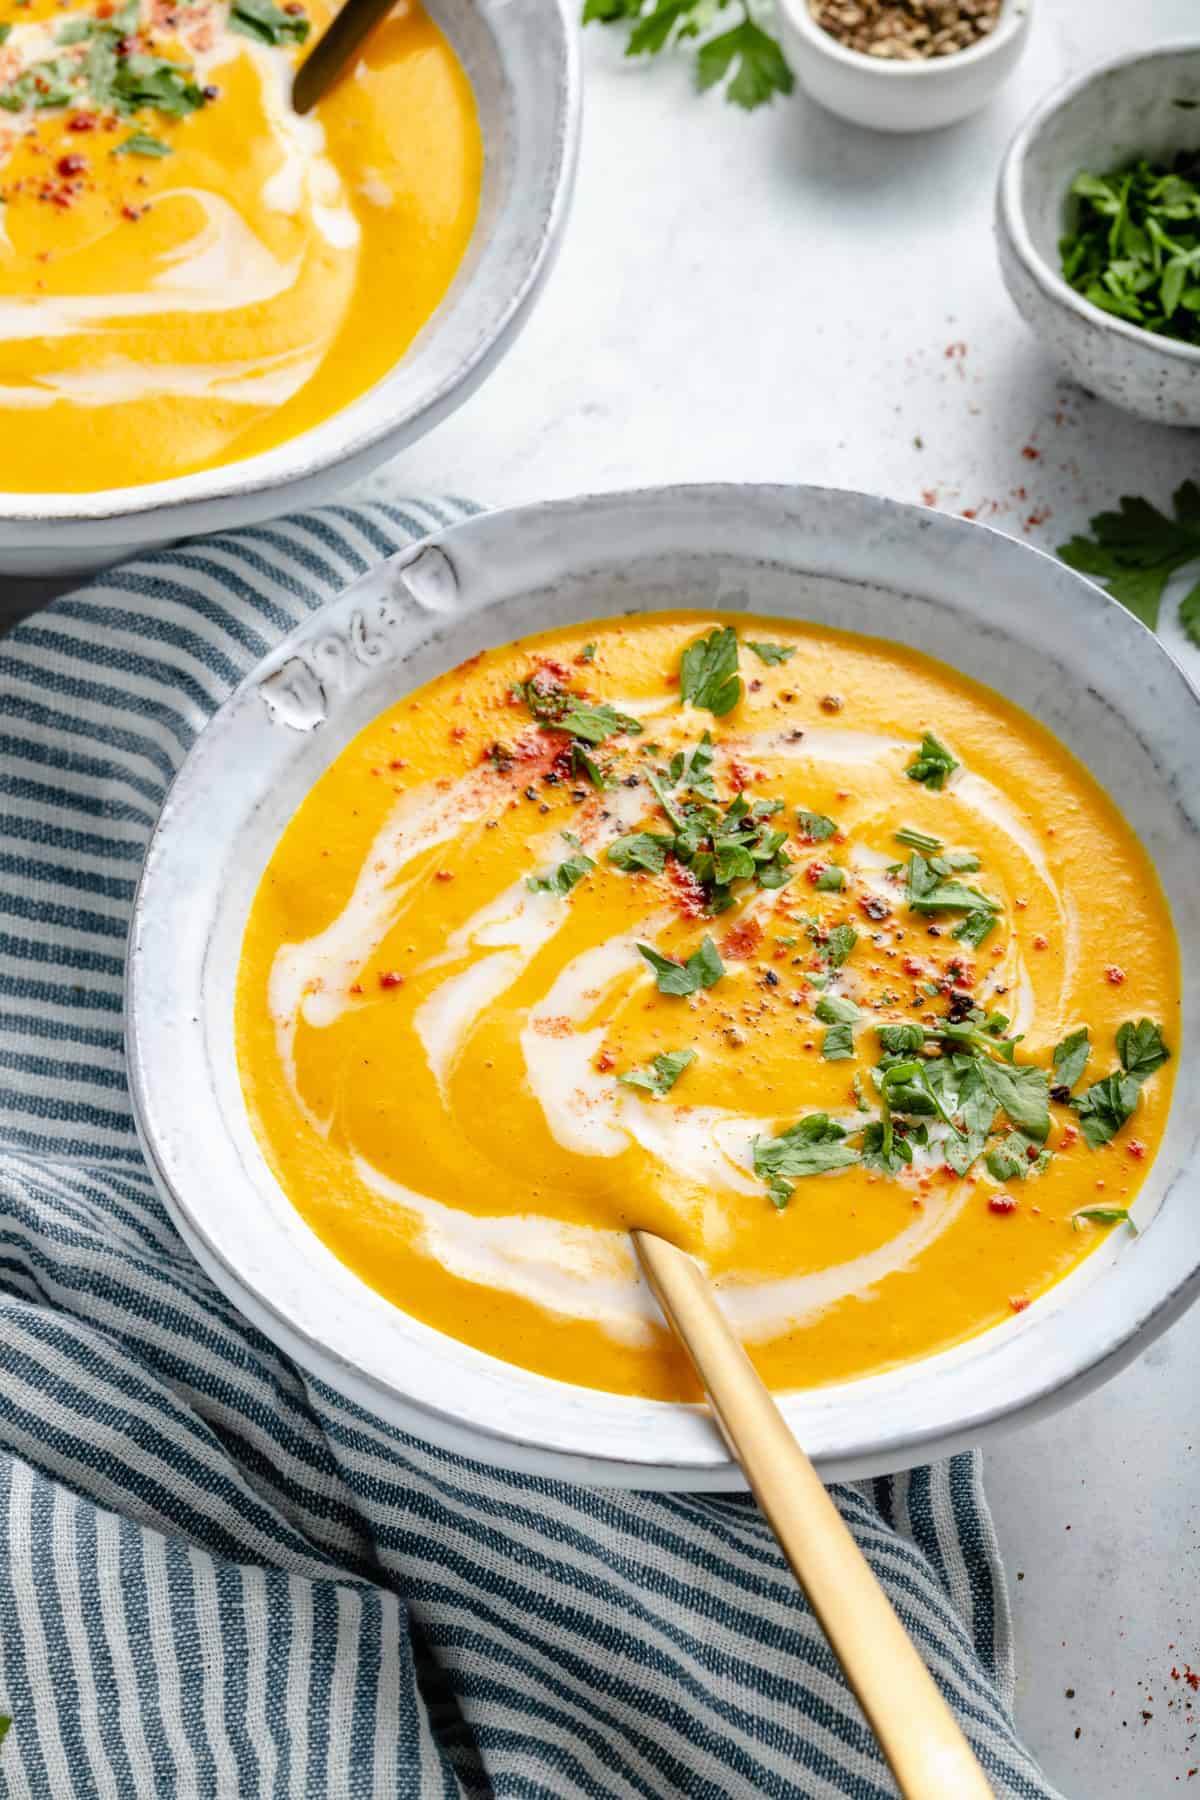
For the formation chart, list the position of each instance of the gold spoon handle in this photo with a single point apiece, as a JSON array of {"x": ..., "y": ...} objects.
[
  {"x": 334, "y": 48},
  {"x": 925, "y": 1748}
]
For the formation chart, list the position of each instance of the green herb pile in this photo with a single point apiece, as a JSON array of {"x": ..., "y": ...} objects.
[
  {"x": 744, "y": 57},
  {"x": 1135, "y": 249}
]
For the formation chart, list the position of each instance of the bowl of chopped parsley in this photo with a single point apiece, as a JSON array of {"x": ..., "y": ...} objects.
[{"x": 1098, "y": 231}]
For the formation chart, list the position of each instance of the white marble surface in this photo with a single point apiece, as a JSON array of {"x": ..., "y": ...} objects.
[
  {"x": 783, "y": 297},
  {"x": 775, "y": 298}
]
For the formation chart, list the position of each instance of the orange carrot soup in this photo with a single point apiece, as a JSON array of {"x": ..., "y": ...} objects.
[
  {"x": 190, "y": 272},
  {"x": 795, "y": 946}
]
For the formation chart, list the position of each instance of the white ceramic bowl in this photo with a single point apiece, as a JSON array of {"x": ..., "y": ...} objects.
[
  {"x": 1146, "y": 104},
  {"x": 998, "y": 610},
  {"x": 901, "y": 96},
  {"x": 521, "y": 57}
]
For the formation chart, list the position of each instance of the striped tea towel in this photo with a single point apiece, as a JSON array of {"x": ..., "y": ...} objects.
[{"x": 216, "y": 1576}]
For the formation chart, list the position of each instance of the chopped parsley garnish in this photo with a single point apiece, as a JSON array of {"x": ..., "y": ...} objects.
[
  {"x": 703, "y": 969},
  {"x": 1141, "y": 1048},
  {"x": 931, "y": 764},
  {"x": 830, "y": 879},
  {"x": 140, "y": 143},
  {"x": 593, "y": 724},
  {"x": 691, "y": 768},
  {"x": 913, "y": 839},
  {"x": 836, "y": 946},
  {"x": 1106, "y": 1106},
  {"x": 563, "y": 879},
  {"x": 838, "y": 1043},
  {"x": 974, "y": 928},
  {"x": 263, "y": 20},
  {"x": 1134, "y": 551},
  {"x": 1103, "y": 1215},
  {"x": 663, "y": 1073},
  {"x": 1071, "y": 1058},
  {"x": 588, "y": 653},
  {"x": 816, "y": 827},
  {"x": 1110, "y": 1103},
  {"x": 640, "y": 850},
  {"x": 708, "y": 672},
  {"x": 771, "y": 654},
  {"x": 932, "y": 888},
  {"x": 815, "y": 1145}
]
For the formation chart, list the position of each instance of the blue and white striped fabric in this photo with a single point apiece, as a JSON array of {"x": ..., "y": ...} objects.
[{"x": 217, "y": 1577}]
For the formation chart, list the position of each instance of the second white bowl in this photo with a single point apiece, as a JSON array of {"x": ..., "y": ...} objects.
[
  {"x": 1147, "y": 104},
  {"x": 887, "y": 95}
]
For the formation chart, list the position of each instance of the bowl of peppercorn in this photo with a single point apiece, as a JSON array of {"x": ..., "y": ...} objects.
[
  {"x": 903, "y": 65},
  {"x": 1098, "y": 231}
]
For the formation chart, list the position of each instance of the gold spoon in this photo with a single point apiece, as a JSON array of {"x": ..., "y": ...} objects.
[
  {"x": 334, "y": 48},
  {"x": 925, "y": 1748}
]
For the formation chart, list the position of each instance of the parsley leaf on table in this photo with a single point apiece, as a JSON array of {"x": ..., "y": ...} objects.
[
  {"x": 1134, "y": 551},
  {"x": 746, "y": 56}
]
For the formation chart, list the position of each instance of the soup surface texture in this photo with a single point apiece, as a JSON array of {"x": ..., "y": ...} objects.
[
  {"x": 189, "y": 271},
  {"x": 792, "y": 945}
]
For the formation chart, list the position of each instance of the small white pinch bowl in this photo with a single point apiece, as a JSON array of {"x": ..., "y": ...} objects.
[
  {"x": 1144, "y": 104},
  {"x": 885, "y": 95},
  {"x": 522, "y": 60},
  {"x": 992, "y": 607}
]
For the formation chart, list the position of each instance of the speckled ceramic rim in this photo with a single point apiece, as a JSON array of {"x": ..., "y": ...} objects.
[
  {"x": 1014, "y": 15},
  {"x": 1012, "y": 210},
  {"x": 522, "y": 58},
  {"x": 1002, "y": 612}
]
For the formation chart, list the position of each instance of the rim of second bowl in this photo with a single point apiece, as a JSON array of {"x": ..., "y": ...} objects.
[
  {"x": 1012, "y": 210},
  {"x": 308, "y": 456},
  {"x": 1014, "y": 17},
  {"x": 445, "y": 1391}
]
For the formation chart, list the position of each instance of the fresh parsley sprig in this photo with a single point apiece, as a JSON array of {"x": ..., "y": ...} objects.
[
  {"x": 746, "y": 57},
  {"x": 1134, "y": 551}
]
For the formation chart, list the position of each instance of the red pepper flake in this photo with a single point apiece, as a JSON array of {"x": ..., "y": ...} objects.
[
  {"x": 457, "y": 733},
  {"x": 605, "y": 1061},
  {"x": 1031, "y": 453},
  {"x": 929, "y": 496},
  {"x": 1038, "y": 517},
  {"x": 814, "y": 872},
  {"x": 1040, "y": 942},
  {"x": 740, "y": 777},
  {"x": 743, "y": 940},
  {"x": 912, "y": 967},
  {"x": 1002, "y": 1204},
  {"x": 953, "y": 351},
  {"x": 1136, "y": 1149},
  {"x": 356, "y": 987},
  {"x": 133, "y": 213},
  {"x": 1018, "y": 1302},
  {"x": 67, "y": 166},
  {"x": 1114, "y": 975},
  {"x": 689, "y": 894},
  {"x": 1069, "y": 1136},
  {"x": 444, "y": 875},
  {"x": 391, "y": 978},
  {"x": 968, "y": 512},
  {"x": 83, "y": 121},
  {"x": 397, "y": 762}
]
